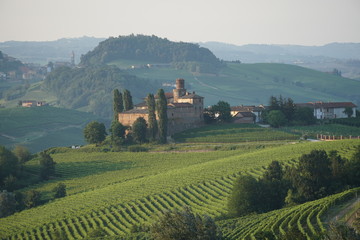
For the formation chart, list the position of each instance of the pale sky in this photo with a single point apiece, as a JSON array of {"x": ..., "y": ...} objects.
[{"x": 302, "y": 22}]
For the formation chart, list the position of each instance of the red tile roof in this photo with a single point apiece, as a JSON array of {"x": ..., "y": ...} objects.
[{"x": 326, "y": 104}]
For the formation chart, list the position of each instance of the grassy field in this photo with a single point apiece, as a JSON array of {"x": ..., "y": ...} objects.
[
  {"x": 255, "y": 83},
  {"x": 118, "y": 190},
  {"x": 233, "y": 133},
  {"x": 39, "y": 128}
]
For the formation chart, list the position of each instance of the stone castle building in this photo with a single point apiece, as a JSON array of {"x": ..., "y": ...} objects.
[{"x": 184, "y": 110}]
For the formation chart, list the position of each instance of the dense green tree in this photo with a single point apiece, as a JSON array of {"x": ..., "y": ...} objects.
[
  {"x": 10, "y": 183},
  {"x": 94, "y": 132},
  {"x": 312, "y": 177},
  {"x": 288, "y": 108},
  {"x": 209, "y": 116},
  {"x": 127, "y": 100},
  {"x": 274, "y": 103},
  {"x": 47, "y": 166},
  {"x": 7, "y": 204},
  {"x": 181, "y": 225},
  {"x": 22, "y": 153},
  {"x": 304, "y": 116},
  {"x": 117, "y": 104},
  {"x": 276, "y": 118},
  {"x": 338, "y": 172},
  {"x": 273, "y": 172},
  {"x": 8, "y": 164},
  {"x": 222, "y": 111},
  {"x": 32, "y": 198},
  {"x": 244, "y": 197},
  {"x": 353, "y": 168},
  {"x": 139, "y": 130},
  {"x": 59, "y": 190},
  {"x": 161, "y": 107},
  {"x": 117, "y": 131},
  {"x": 153, "y": 126},
  {"x": 348, "y": 111}
]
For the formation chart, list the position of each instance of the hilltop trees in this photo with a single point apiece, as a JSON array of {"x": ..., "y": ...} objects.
[
  {"x": 162, "y": 113},
  {"x": 147, "y": 48},
  {"x": 94, "y": 132}
]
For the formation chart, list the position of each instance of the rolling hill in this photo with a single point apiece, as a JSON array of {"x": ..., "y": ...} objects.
[
  {"x": 117, "y": 190},
  {"x": 149, "y": 63},
  {"x": 39, "y": 128},
  {"x": 255, "y": 83}
]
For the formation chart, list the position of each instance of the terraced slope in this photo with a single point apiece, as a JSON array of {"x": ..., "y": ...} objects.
[
  {"x": 308, "y": 218},
  {"x": 118, "y": 190}
]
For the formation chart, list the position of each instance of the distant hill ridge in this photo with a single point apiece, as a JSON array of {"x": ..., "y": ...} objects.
[{"x": 154, "y": 49}]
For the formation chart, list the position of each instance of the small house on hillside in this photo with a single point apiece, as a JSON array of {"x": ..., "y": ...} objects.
[
  {"x": 247, "y": 114},
  {"x": 329, "y": 110},
  {"x": 244, "y": 117},
  {"x": 32, "y": 103}
]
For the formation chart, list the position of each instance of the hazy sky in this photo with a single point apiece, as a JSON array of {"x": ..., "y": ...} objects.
[{"x": 303, "y": 22}]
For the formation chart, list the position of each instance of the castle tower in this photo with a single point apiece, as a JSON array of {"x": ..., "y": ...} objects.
[{"x": 180, "y": 90}]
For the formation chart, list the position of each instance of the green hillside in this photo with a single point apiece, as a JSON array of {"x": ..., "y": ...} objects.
[
  {"x": 255, "y": 83},
  {"x": 309, "y": 218},
  {"x": 115, "y": 191},
  {"x": 39, "y": 128}
]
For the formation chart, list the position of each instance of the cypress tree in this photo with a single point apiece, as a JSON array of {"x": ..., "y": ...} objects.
[
  {"x": 153, "y": 127},
  {"x": 128, "y": 103},
  {"x": 118, "y": 104},
  {"x": 162, "y": 113}
]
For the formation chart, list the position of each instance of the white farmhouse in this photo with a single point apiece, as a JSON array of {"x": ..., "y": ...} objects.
[{"x": 329, "y": 110}]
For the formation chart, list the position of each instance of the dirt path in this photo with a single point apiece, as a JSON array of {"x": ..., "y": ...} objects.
[{"x": 204, "y": 84}]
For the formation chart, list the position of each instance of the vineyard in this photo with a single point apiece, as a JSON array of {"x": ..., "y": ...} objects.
[
  {"x": 232, "y": 133},
  {"x": 309, "y": 218},
  {"x": 116, "y": 191},
  {"x": 327, "y": 129}
]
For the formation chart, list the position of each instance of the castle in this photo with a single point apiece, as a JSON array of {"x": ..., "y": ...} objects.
[{"x": 184, "y": 110}]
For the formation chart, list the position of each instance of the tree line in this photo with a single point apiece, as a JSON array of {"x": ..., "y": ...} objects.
[
  {"x": 316, "y": 175},
  {"x": 14, "y": 176},
  {"x": 92, "y": 87},
  {"x": 141, "y": 131}
]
